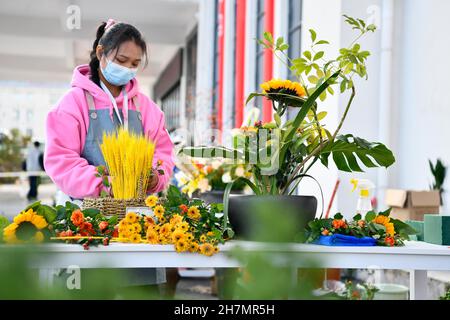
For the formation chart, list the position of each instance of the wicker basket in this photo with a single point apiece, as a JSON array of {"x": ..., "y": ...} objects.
[{"x": 110, "y": 206}]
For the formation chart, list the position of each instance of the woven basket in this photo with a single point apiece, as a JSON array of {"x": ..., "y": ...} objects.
[{"x": 110, "y": 206}]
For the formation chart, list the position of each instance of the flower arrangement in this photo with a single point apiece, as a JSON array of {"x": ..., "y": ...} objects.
[
  {"x": 385, "y": 230},
  {"x": 86, "y": 227},
  {"x": 210, "y": 175},
  {"x": 281, "y": 153},
  {"x": 190, "y": 225}
]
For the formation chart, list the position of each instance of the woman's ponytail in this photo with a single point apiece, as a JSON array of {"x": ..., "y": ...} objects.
[{"x": 94, "y": 64}]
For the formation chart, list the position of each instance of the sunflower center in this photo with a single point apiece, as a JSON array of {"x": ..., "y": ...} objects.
[{"x": 26, "y": 231}]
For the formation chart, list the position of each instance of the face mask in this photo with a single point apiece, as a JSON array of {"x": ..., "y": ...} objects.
[{"x": 116, "y": 74}]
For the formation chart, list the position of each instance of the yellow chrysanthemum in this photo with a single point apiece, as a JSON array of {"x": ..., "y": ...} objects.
[
  {"x": 383, "y": 220},
  {"x": 189, "y": 236},
  {"x": 203, "y": 238},
  {"x": 178, "y": 235},
  {"x": 152, "y": 236},
  {"x": 159, "y": 211},
  {"x": 390, "y": 229},
  {"x": 151, "y": 201},
  {"x": 123, "y": 223},
  {"x": 193, "y": 247},
  {"x": 131, "y": 217},
  {"x": 165, "y": 229},
  {"x": 210, "y": 234},
  {"x": 26, "y": 227},
  {"x": 162, "y": 219},
  {"x": 182, "y": 246},
  {"x": 194, "y": 213},
  {"x": 216, "y": 249},
  {"x": 130, "y": 229},
  {"x": 137, "y": 227},
  {"x": 176, "y": 219},
  {"x": 183, "y": 226},
  {"x": 207, "y": 249},
  {"x": 135, "y": 238}
]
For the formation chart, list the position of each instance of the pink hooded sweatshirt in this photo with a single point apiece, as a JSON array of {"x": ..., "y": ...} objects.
[{"x": 67, "y": 125}]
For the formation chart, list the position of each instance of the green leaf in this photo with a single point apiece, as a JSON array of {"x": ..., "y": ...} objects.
[
  {"x": 308, "y": 55},
  {"x": 357, "y": 217},
  {"x": 284, "y": 47},
  {"x": 112, "y": 221},
  {"x": 338, "y": 216},
  {"x": 268, "y": 36},
  {"x": 313, "y": 79},
  {"x": 277, "y": 118},
  {"x": 347, "y": 148},
  {"x": 48, "y": 212},
  {"x": 91, "y": 212},
  {"x": 313, "y": 35},
  {"x": 370, "y": 216},
  {"x": 318, "y": 55},
  {"x": 322, "y": 42}
]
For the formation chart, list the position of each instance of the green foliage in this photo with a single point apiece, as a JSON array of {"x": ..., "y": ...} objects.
[
  {"x": 439, "y": 172},
  {"x": 11, "y": 146}
]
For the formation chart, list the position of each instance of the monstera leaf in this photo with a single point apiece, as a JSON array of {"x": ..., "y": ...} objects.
[{"x": 346, "y": 149}]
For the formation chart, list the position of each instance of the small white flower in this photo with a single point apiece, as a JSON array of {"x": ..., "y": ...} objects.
[
  {"x": 204, "y": 185},
  {"x": 376, "y": 236},
  {"x": 240, "y": 172},
  {"x": 226, "y": 178},
  {"x": 216, "y": 164}
]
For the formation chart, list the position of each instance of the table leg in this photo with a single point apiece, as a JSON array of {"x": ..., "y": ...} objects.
[{"x": 418, "y": 285}]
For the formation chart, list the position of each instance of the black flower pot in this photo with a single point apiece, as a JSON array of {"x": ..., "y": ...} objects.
[
  {"x": 214, "y": 196},
  {"x": 273, "y": 218}
]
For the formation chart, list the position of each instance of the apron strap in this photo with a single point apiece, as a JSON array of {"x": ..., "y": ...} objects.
[{"x": 90, "y": 100}]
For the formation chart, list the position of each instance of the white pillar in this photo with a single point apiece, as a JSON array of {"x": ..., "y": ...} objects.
[
  {"x": 250, "y": 50},
  {"x": 205, "y": 67},
  {"x": 281, "y": 25},
  {"x": 229, "y": 76},
  {"x": 324, "y": 16}
]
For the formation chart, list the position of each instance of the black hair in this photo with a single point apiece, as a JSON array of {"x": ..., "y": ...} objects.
[
  {"x": 117, "y": 34},
  {"x": 37, "y": 144}
]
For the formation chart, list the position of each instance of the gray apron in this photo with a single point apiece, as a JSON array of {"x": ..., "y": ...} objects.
[{"x": 99, "y": 123}]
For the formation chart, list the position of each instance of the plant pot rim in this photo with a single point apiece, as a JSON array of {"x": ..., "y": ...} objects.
[{"x": 271, "y": 196}]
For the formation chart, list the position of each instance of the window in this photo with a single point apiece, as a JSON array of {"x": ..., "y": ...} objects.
[
  {"x": 259, "y": 64},
  {"x": 170, "y": 105}
]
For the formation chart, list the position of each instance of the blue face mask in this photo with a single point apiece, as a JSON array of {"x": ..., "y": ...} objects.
[{"x": 116, "y": 74}]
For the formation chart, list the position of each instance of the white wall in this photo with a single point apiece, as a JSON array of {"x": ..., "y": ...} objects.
[{"x": 423, "y": 86}]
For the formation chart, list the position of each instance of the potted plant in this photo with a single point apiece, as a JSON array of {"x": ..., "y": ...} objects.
[{"x": 281, "y": 153}]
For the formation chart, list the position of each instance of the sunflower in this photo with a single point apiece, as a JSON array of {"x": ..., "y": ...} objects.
[
  {"x": 183, "y": 226},
  {"x": 207, "y": 249},
  {"x": 131, "y": 217},
  {"x": 162, "y": 219},
  {"x": 151, "y": 201},
  {"x": 193, "y": 247},
  {"x": 283, "y": 91},
  {"x": 27, "y": 226},
  {"x": 216, "y": 249},
  {"x": 159, "y": 211},
  {"x": 194, "y": 213}
]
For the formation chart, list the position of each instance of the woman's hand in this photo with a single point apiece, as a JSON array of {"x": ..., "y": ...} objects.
[{"x": 154, "y": 178}]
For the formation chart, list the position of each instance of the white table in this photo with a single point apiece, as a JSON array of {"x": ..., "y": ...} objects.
[{"x": 418, "y": 257}]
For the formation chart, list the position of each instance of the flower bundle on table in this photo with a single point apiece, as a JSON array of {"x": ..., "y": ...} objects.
[
  {"x": 190, "y": 225},
  {"x": 381, "y": 227},
  {"x": 203, "y": 176}
]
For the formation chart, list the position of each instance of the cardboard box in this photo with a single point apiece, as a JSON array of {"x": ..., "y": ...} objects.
[
  {"x": 437, "y": 229},
  {"x": 412, "y": 205}
]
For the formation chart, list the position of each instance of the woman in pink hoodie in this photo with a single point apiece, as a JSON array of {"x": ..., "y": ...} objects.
[{"x": 104, "y": 96}]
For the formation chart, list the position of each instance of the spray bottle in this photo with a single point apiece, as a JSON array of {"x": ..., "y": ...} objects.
[{"x": 364, "y": 187}]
